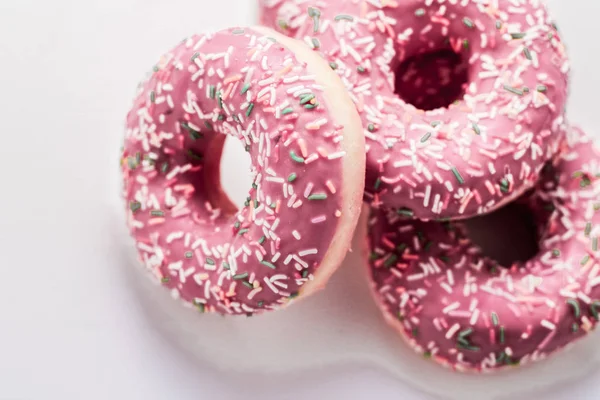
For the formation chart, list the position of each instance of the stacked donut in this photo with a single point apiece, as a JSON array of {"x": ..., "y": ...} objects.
[{"x": 431, "y": 111}]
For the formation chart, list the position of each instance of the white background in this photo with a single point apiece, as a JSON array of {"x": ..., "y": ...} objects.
[{"x": 70, "y": 327}]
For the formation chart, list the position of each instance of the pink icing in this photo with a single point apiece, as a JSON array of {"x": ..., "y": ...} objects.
[
  {"x": 480, "y": 152},
  {"x": 465, "y": 311},
  {"x": 245, "y": 85}
]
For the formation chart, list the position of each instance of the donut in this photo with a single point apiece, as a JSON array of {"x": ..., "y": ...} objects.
[
  {"x": 458, "y": 307},
  {"x": 302, "y": 133},
  {"x": 462, "y": 102}
]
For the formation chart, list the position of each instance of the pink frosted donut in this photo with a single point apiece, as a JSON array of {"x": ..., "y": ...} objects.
[
  {"x": 465, "y": 311},
  {"x": 487, "y": 80},
  {"x": 302, "y": 133}
]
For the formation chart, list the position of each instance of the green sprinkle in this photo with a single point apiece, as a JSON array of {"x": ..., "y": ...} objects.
[
  {"x": 210, "y": 261},
  {"x": 165, "y": 279},
  {"x": 188, "y": 254},
  {"x": 594, "y": 309},
  {"x": 344, "y": 17},
  {"x": 495, "y": 319},
  {"x": 306, "y": 98},
  {"x": 164, "y": 167},
  {"x": 498, "y": 24},
  {"x": 517, "y": 35},
  {"x": 468, "y": 23},
  {"x": 401, "y": 247},
  {"x": 588, "y": 228},
  {"x": 400, "y": 316},
  {"x": 131, "y": 163},
  {"x": 240, "y": 276},
  {"x": 226, "y": 265},
  {"x": 249, "y": 286},
  {"x": 575, "y": 306},
  {"x": 152, "y": 96},
  {"x": 595, "y": 243},
  {"x": 311, "y": 106},
  {"x": 157, "y": 213},
  {"x": 585, "y": 259},
  {"x": 504, "y": 185},
  {"x": 502, "y": 334},
  {"x": 377, "y": 184},
  {"x": 391, "y": 260},
  {"x": 476, "y": 128},
  {"x": 556, "y": 252},
  {"x": 238, "y": 31},
  {"x": 427, "y": 354},
  {"x": 317, "y": 196},
  {"x": 333, "y": 65},
  {"x": 247, "y": 148},
  {"x": 513, "y": 90},
  {"x": 427, "y": 246},
  {"x": 541, "y": 88},
  {"x": 425, "y": 137},
  {"x": 155, "y": 68},
  {"x": 465, "y": 46},
  {"x": 415, "y": 332},
  {"x": 315, "y": 43},
  {"x": 262, "y": 239},
  {"x": 585, "y": 181},
  {"x": 435, "y": 123},
  {"x": 242, "y": 231},
  {"x": 194, "y": 56},
  {"x": 295, "y": 157},
  {"x": 287, "y": 111},
  {"x": 373, "y": 256},
  {"x": 407, "y": 212},
  {"x": 292, "y": 177},
  {"x": 135, "y": 206},
  {"x": 466, "y": 346},
  {"x": 194, "y": 155},
  {"x": 194, "y": 134},
  {"x": 314, "y": 13},
  {"x": 527, "y": 53},
  {"x": 465, "y": 333},
  {"x": 245, "y": 88},
  {"x": 249, "y": 109},
  {"x": 208, "y": 125},
  {"x": 360, "y": 69},
  {"x": 283, "y": 24},
  {"x": 220, "y": 99},
  {"x": 574, "y": 327},
  {"x": 304, "y": 273},
  {"x": 457, "y": 175},
  {"x": 268, "y": 264},
  {"x": 420, "y": 12},
  {"x": 212, "y": 90},
  {"x": 371, "y": 128}
]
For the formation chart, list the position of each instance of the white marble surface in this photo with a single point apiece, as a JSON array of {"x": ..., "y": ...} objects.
[{"x": 72, "y": 324}]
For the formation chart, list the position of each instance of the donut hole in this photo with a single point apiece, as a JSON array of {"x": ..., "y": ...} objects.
[
  {"x": 509, "y": 235},
  {"x": 433, "y": 79},
  {"x": 235, "y": 171}
]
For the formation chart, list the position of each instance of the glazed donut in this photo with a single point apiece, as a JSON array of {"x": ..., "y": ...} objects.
[
  {"x": 467, "y": 312},
  {"x": 487, "y": 81},
  {"x": 303, "y": 135}
]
